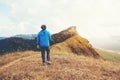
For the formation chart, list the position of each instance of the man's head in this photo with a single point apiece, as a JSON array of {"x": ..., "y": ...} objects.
[{"x": 43, "y": 27}]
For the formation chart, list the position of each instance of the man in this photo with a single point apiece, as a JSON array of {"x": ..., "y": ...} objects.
[{"x": 43, "y": 42}]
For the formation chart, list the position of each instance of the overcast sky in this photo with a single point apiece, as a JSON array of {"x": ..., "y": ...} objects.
[{"x": 95, "y": 19}]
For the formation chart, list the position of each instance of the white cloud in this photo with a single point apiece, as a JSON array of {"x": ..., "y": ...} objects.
[{"x": 94, "y": 18}]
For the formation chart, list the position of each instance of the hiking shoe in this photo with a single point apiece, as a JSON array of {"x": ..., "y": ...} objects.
[
  {"x": 43, "y": 64},
  {"x": 48, "y": 62}
]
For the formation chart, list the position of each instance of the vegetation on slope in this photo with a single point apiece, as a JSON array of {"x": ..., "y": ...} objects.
[
  {"x": 77, "y": 45},
  {"x": 109, "y": 55}
]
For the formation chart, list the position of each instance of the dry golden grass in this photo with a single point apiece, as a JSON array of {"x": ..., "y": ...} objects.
[
  {"x": 65, "y": 66},
  {"x": 77, "y": 45}
]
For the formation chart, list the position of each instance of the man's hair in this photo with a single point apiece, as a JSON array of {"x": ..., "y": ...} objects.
[{"x": 43, "y": 27}]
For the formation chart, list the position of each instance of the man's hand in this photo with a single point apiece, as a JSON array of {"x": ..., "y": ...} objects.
[{"x": 38, "y": 46}]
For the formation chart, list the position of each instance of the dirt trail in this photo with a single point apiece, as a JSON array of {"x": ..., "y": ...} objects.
[{"x": 14, "y": 62}]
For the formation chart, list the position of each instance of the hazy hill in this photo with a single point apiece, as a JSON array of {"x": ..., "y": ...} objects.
[
  {"x": 109, "y": 54},
  {"x": 26, "y": 36},
  {"x": 2, "y": 38}
]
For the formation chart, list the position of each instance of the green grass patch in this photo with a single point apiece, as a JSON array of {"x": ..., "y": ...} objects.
[{"x": 109, "y": 55}]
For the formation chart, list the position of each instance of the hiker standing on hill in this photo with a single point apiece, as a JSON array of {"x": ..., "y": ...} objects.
[{"x": 43, "y": 42}]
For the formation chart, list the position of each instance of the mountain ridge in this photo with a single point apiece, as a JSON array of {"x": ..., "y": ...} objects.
[{"x": 78, "y": 45}]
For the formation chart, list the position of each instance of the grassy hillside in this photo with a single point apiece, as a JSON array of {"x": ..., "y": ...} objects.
[
  {"x": 109, "y": 55},
  {"x": 72, "y": 59},
  {"x": 77, "y": 45},
  {"x": 65, "y": 66}
]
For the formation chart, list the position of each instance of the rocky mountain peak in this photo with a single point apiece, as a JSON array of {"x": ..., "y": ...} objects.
[
  {"x": 63, "y": 35},
  {"x": 70, "y": 30}
]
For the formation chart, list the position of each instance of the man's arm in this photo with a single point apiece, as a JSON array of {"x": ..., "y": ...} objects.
[
  {"x": 38, "y": 41},
  {"x": 50, "y": 36}
]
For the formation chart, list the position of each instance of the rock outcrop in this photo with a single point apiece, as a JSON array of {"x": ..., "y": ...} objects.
[{"x": 63, "y": 35}]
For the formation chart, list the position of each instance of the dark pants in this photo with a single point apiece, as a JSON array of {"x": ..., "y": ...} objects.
[{"x": 43, "y": 50}]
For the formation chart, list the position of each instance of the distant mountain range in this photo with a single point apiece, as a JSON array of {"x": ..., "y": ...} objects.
[
  {"x": 2, "y": 38},
  {"x": 26, "y": 36}
]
